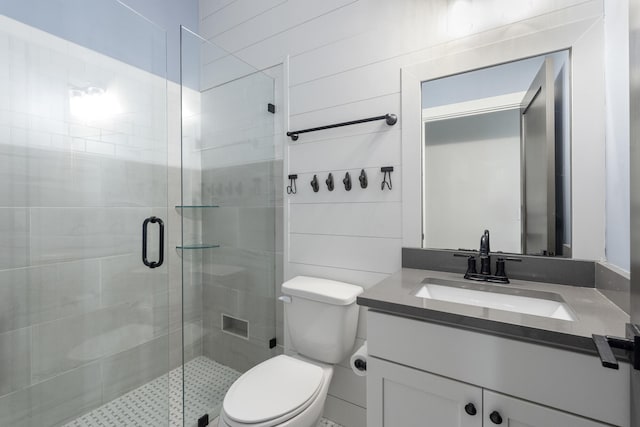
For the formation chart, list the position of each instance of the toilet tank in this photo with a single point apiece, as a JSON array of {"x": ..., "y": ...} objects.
[{"x": 322, "y": 317}]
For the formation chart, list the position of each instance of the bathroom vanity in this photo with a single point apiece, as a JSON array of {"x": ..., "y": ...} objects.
[{"x": 442, "y": 363}]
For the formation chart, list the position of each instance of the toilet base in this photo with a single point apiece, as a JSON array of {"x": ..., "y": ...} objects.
[{"x": 294, "y": 422}]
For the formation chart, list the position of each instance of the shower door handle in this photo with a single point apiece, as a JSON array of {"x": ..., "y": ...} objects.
[{"x": 145, "y": 224}]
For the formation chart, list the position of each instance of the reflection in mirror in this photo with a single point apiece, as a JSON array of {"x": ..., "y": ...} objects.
[{"x": 496, "y": 155}]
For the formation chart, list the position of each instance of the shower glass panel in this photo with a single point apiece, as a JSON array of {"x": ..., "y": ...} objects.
[
  {"x": 83, "y": 162},
  {"x": 232, "y": 199}
]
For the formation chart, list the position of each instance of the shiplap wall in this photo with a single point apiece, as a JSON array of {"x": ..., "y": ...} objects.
[{"x": 345, "y": 61}]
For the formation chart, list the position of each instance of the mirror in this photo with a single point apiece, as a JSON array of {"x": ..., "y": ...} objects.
[
  {"x": 495, "y": 155},
  {"x": 579, "y": 199}
]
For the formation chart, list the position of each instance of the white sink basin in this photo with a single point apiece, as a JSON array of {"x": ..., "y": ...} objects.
[{"x": 543, "y": 304}]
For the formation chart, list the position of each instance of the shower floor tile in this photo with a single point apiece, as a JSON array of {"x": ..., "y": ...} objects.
[{"x": 206, "y": 384}]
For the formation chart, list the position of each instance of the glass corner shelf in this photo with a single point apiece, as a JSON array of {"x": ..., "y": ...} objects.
[
  {"x": 195, "y": 246},
  {"x": 196, "y": 206}
]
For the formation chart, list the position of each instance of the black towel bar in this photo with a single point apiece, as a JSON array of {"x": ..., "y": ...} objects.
[{"x": 391, "y": 120}]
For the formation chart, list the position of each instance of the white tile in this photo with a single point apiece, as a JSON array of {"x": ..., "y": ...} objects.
[
  {"x": 19, "y": 137},
  {"x": 78, "y": 144},
  {"x": 97, "y": 147},
  {"x": 114, "y": 138},
  {"x": 82, "y": 131},
  {"x": 15, "y": 229},
  {"x": 5, "y": 134},
  {"x": 39, "y": 139},
  {"x": 61, "y": 142},
  {"x": 19, "y": 119}
]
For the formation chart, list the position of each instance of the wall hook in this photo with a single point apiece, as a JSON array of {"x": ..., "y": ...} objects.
[
  {"x": 363, "y": 179},
  {"x": 386, "y": 170},
  {"x": 291, "y": 188},
  {"x": 347, "y": 182},
  {"x": 329, "y": 182},
  {"x": 314, "y": 184}
]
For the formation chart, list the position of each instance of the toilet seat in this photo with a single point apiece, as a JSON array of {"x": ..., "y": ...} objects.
[{"x": 273, "y": 392}]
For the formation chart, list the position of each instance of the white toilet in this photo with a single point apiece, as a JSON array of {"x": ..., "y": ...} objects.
[{"x": 322, "y": 318}]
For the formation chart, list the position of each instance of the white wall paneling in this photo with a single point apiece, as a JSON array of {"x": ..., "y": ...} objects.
[
  {"x": 211, "y": 6},
  {"x": 284, "y": 31},
  {"x": 346, "y": 219},
  {"x": 307, "y": 34},
  {"x": 235, "y": 13},
  {"x": 359, "y": 51},
  {"x": 374, "y": 149},
  {"x": 378, "y": 255},
  {"x": 350, "y": 86}
]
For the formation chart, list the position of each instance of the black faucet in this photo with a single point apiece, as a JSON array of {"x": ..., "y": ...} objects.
[
  {"x": 485, "y": 258},
  {"x": 485, "y": 275}
]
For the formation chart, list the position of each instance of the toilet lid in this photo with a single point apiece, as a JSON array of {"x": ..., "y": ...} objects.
[{"x": 272, "y": 389}]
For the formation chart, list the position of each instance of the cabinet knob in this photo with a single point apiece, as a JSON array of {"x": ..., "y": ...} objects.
[
  {"x": 495, "y": 417},
  {"x": 470, "y": 409}
]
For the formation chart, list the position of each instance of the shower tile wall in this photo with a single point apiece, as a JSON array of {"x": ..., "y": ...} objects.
[
  {"x": 242, "y": 173},
  {"x": 81, "y": 319}
]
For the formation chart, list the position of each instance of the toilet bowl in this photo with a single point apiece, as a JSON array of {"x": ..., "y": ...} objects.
[
  {"x": 283, "y": 391},
  {"x": 290, "y": 391}
]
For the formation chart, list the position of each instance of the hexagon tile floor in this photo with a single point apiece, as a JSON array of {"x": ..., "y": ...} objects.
[{"x": 206, "y": 384}]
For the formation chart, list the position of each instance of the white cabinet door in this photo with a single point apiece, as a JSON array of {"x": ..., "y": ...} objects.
[
  {"x": 511, "y": 412},
  {"x": 398, "y": 396}
]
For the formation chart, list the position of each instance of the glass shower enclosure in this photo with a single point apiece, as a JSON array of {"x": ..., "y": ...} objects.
[
  {"x": 137, "y": 272},
  {"x": 84, "y": 299},
  {"x": 231, "y": 210}
]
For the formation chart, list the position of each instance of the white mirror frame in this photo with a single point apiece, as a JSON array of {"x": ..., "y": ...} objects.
[{"x": 580, "y": 29}]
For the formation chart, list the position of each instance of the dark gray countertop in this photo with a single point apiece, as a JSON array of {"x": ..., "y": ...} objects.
[{"x": 594, "y": 313}]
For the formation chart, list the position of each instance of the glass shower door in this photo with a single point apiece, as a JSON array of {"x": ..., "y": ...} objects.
[
  {"x": 231, "y": 191},
  {"x": 83, "y": 164}
]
